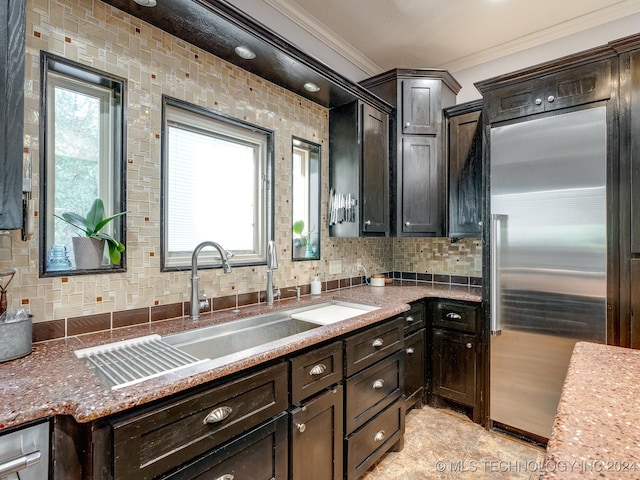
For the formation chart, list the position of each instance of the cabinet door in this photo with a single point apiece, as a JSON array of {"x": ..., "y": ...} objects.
[
  {"x": 578, "y": 85},
  {"x": 375, "y": 171},
  {"x": 414, "y": 368},
  {"x": 634, "y": 147},
  {"x": 420, "y": 206},
  {"x": 454, "y": 366},
  {"x": 421, "y": 107},
  {"x": 465, "y": 175},
  {"x": 12, "y": 32},
  {"x": 513, "y": 101},
  {"x": 316, "y": 438}
]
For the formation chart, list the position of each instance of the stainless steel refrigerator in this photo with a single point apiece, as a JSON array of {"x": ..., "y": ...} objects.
[{"x": 548, "y": 259}]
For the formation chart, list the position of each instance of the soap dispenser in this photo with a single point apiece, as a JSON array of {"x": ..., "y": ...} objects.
[{"x": 316, "y": 286}]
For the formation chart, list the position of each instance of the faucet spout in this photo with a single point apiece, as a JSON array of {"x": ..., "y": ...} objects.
[
  {"x": 272, "y": 264},
  {"x": 195, "y": 298}
]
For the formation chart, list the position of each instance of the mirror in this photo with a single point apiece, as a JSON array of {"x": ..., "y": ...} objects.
[{"x": 305, "y": 203}]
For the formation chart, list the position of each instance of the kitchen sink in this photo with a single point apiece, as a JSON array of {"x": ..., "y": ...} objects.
[{"x": 132, "y": 361}]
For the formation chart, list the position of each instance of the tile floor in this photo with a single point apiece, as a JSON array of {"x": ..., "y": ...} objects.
[{"x": 442, "y": 444}]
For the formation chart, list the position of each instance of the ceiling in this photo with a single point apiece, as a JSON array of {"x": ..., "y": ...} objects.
[{"x": 377, "y": 35}]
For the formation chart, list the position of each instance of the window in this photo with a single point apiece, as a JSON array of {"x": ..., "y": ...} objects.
[
  {"x": 82, "y": 131},
  {"x": 216, "y": 186},
  {"x": 305, "y": 204}
]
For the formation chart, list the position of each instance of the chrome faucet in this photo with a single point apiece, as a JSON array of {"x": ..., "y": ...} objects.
[
  {"x": 272, "y": 264},
  {"x": 196, "y": 304}
]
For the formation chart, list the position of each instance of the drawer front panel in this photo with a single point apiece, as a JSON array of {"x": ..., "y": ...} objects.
[
  {"x": 258, "y": 455},
  {"x": 368, "y": 444},
  {"x": 316, "y": 370},
  {"x": 152, "y": 443},
  {"x": 368, "y": 347},
  {"x": 455, "y": 316},
  {"x": 414, "y": 319},
  {"x": 372, "y": 390}
]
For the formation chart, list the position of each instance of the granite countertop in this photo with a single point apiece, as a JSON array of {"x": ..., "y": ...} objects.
[
  {"x": 596, "y": 433},
  {"x": 52, "y": 381}
]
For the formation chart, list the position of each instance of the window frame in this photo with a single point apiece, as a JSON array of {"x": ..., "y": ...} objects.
[
  {"x": 209, "y": 259},
  {"x": 70, "y": 73}
]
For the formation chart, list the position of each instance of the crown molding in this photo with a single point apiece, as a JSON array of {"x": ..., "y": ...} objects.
[
  {"x": 335, "y": 42},
  {"x": 561, "y": 30}
]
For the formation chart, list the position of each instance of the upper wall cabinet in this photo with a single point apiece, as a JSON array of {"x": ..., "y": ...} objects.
[
  {"x": 464, "y": 154},
  {"x": 358, "y": 171},
  {"x": 12, "y": 31},
  {"x": 575, "y": 86},
  {"x": 418, "y": 192}
]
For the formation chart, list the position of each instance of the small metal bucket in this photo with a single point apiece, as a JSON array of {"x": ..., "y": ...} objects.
[{"x": 15, "y": 339}]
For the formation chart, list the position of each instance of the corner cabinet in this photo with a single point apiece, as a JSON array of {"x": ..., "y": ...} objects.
[
  {"x": 12, "y": 48},
  {"x": 464, "y": 155},
  {"x": 358, "y": 171},
  {"x": 417, "y": 147}
]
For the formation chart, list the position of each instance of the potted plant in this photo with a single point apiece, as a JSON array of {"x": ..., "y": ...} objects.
[
  {"x": 88, "y": 250},
  {"x": 301, "y": 241}
]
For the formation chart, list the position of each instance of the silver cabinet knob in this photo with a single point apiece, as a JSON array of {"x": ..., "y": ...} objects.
[
  {"x": 410, "y": 351},
  {"x": 480, "y": 223},
  {"x": 407, "y": 124},
  {"x": 410, "y": 319},
  {"x": 301, "y": 427},
  {"x": 454, "y": 316},
  {"x": 367, "y": 223},
  {"x": 551, "y": 99},
  {"x": 538, "y": 101},
  {"x": 318, "y": 369},
  {"x": 379, "y": 383},
  {"x": 217, "y": 415},
  {"x": 226, "y": 476},
  {"x": 378, "y": 437},
  {"x": 377, "y": 343},
  {"x": 469, "y": 345},
  {"x": 407, "y": 224}
]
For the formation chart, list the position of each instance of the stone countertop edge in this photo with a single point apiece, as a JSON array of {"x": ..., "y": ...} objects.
[
  {"x": 596, "y": 432},
  {"x": 53, "y": 381}
]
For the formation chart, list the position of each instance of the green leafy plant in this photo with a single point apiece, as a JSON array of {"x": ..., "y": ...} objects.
[
  {"x": 301, "y": 240},
  {"x": 91, "y": 225}
]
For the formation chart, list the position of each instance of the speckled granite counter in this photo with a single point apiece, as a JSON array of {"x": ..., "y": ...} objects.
[
  {"x": 52, "y": 381},
  {"x": 596, "y": 433}
]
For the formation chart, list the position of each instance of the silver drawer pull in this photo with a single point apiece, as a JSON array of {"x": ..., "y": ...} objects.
[
  {"x": 378, "y": 437},
  {"x": 301, "y": 427},
  {"x": 226, "y": 476},
  {"x": 377, "y": 343},
  {"x": 454, "y": 316},
  {"x": 410, "y": 350},
  {"x": 217, "y": 415},
  {"x": 469, "y": 345},
  {"x": 410, "y": 319},
  {"x": 318, "y": 369},
  {"x": 378, "y": 384},
  {"x": 22, "y": 462}
]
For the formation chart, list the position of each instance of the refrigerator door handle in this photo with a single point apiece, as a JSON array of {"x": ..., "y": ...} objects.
[{"x": 496, "y": 238}]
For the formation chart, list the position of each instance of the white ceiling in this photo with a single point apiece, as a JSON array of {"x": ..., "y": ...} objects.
[{"x": 377, "y": 35}]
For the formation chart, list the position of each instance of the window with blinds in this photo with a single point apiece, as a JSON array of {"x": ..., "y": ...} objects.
[{"x": 215, "y": 187}]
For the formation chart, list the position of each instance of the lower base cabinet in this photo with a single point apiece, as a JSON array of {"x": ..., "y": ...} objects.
[
  {"x": 260, "y": 454},
  {"x": 316, "y": 437},
  {"x": 454, "y": 366}
]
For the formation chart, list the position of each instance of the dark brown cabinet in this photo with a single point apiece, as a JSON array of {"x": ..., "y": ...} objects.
[
  {"x": 456, "y": 352},
  {"x": 464, "y": 153},
  {"x": 414, "y": 356},
  {"x": 359, "y": 170},
  {"x": 374, "y": 408},
  {"x": 417, "y": 146},
  {"x": 12, "y": 48},
  {"x": 571, "y": 87},
  {"x": 317, "y": 436}
]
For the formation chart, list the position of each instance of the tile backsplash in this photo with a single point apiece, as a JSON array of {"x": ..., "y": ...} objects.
[{"x": 156, "y": 63}]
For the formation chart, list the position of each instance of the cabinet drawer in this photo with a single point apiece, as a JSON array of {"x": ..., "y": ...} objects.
[
  {"x": 367, "y": 445},
  {"x": 154, "y": 442},
  {"x": 372, "y": 390},
  {"x": 414, "y": 318},
  {"x": 456, "y": 316},
  {"x": 316, "y": 370},
  {"x": 366, "y": 348},
  {"x": 260, "y": 454}
]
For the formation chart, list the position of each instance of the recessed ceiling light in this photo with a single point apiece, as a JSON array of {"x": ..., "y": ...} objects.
[
  {"x": 146, "y": 3},
  {"x": 245, "y": 52},
  {"x": 311, "y": 87}
]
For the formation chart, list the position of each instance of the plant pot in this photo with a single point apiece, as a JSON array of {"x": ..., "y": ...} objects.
[{"x": 88, "y": 252}]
